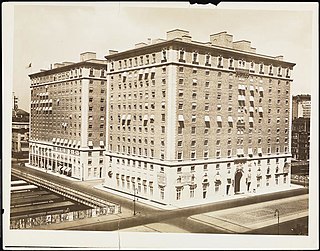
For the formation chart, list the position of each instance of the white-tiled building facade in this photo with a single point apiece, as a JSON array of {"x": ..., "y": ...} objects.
[
  {"x": 67, "y": 122},
  {"x": 190, "y": 123}
]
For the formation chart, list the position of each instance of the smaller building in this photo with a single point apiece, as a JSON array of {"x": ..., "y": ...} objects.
[
  {"x": 20, "y": 134},
  {"x": 300, "y": 146},
  {"x": 301, "y": 106}
]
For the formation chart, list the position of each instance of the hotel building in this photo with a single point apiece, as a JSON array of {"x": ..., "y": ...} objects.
[
  {"x": 67, "y": 122},
  {"x": 190, "y": 122}
]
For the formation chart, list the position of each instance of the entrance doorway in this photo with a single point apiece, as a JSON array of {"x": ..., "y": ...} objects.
[{"x": 237, "y": 180}]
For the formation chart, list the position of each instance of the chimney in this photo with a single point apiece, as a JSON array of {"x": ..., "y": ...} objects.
[
  {"x": 280, "y": 58},
  {"x": 149, "y": 41},
  {"x": 112, "y": 52},
  {"x": 87, "y": 56},
  {"x": 242, "y": 45},
  {"x": 139, "y": 45},
  {"x": 177, "y": 33},
  {"x": 222, "y": 39}
]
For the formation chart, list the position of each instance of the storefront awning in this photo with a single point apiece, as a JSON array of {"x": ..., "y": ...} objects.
[
  {"x": 123, "y": 117},
  {"x": 129, "y": 117},
  {"x": 180, "y": 118}
]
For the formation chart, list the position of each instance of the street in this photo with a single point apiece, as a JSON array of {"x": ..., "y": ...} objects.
[{"x": 181, "y": 218}]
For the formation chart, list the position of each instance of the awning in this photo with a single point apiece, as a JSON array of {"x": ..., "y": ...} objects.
[
  {"x": 194, "y": 69},
  {"x": 54, "y": 140},
  {"x": 153, "y": 70},
  {"x": 141, "y": 72},
  {"x": 124, "y": 74},
  {"x": 240, "y": 152},
  {"x": 146, "y": 71},
  {"x": 70, "y": 142},
  {"x": 129, "y": 117},
  {"x": 194, "y": 81},
  {"x": 251, "y": 109},
  {"x": 58, "y": 140},
  {"x": 260, "y": 89},
  {"x": 250, "y": 119},
  {"x": 78, "y": 144},
  {"x": 251, "y": 88},
  {"x": 68, "y": 169},
  {"x": 152, "y": 117},
  {"x": 230, "y": 119},
  {"x": 217, "y": 178},
  {"x": 259, "y": 150},
  {"x": 250, "y": 151},
  {"x": 50, "y": 109},
  {"x": 180, "y": 118},
  {"x": 180, "y": 91},
  {"x": 206, "y": 118},
  {"x": 64, "y": 168},
  {"x": 74, "y": 143},
  {"x": 65, "y": 141},
  {"x": 251, "y": 99},
  {"x": 101, "y": 143},
  {"x": 90, "y": 143},
  {"x": 146, "y": 104},
  {"x": 260, "y": 109},
  {"x": 123, "y": 117},
  {"x": 145, "y": 117},
  {"x": 193, "y": 116},
  {"x": 219, "y": 119},
  {"x": 50, "y": 101}
]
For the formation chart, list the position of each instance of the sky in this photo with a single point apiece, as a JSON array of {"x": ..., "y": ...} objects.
[{"x": 46, "y": 34}]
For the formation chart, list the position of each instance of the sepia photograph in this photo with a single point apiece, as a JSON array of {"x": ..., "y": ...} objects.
[{"x": 160, "y": 125}]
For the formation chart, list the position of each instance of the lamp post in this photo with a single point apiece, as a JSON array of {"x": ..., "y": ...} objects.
[
  {"x": 135, "y": 191},
  {"x": 276, "y": 212}
]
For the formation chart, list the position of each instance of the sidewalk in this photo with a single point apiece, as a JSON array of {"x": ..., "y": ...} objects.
[{"x": 246, "y": 218}]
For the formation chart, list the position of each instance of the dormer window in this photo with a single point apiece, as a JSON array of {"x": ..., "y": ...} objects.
[
  {"x": 195, "y": 58},
  {"x": 164, "y": 55},
  {"x": 231, "y": 63},
  {"x": 220, "y": 65},
  {"x": 181, "y": 55},
  {"x": 252, "y": 67},
  {"x": 288, "y": 73},
  {"x": 279, "y": 71},
  {"x": 208, "y": 59},
  {"x": 270, "y": 70},
  {"x": 261, "y": 69}
]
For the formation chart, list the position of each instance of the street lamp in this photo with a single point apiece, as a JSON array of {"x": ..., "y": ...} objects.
[
  {"x": 135, "y": 191},
  {"x": 276, "y": 212}
]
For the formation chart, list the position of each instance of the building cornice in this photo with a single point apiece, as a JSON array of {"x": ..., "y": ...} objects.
[{"x": 219, "y": 50}]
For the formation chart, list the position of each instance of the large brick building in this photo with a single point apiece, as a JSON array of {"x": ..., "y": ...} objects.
[
  {"x": 67, "y": 133},
  {"x": 191, "y": 122}
]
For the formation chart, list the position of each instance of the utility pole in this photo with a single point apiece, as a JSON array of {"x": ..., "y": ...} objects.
[
  {"x": 134, "y": 201},
  {"x": 276, "y": 212}
]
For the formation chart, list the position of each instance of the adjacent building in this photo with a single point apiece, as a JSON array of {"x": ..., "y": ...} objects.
[
  {"x": 67, "y": 122},
  {"x": 300, "y": 147},
  {"x": 20, "y": 132},
  {"x": 301, "y": 106},
  {"x": 192, "y": 122}
]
